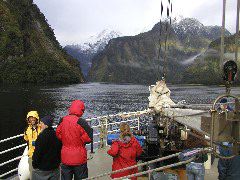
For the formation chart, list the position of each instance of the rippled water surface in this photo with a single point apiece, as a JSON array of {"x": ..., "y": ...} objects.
[{"x": 100, "y": 99}]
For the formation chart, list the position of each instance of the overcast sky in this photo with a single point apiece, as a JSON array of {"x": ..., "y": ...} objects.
[{"x": 74, "y": 21}]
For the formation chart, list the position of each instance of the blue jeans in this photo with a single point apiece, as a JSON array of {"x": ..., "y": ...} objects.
[{"x": 195, "y": 171}]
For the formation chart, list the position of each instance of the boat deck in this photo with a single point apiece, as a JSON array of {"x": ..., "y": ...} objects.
[{"x": 100, "y": 162}]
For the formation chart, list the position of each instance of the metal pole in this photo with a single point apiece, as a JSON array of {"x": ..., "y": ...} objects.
[
  {"x": 92, "y": 147},
  {"x": 213, "y": 114},
  {"x": 157, "y": 169},
  {"x": 237, "y": 31},
  {"x": 222, "y": 34},
  {"x": 149, "y": 174},
  {"x": 106, "y": 132},
  {"x": 92, "y": 139},
  {"x": 101, "y": 144},
  {"x": 138, "y": 123}
]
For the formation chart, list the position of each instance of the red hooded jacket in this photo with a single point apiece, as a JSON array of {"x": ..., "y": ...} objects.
[
  {"x": 74, "y": 133},
  {"x": 124, "y": 155}
]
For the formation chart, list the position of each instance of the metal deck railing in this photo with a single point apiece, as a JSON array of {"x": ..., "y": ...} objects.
[
  {"x": 103, "y": 126},
  {"x": 149, "y": 171}
]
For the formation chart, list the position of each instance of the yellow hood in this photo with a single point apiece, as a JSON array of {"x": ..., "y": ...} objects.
[{"x": 33, "y": 114}]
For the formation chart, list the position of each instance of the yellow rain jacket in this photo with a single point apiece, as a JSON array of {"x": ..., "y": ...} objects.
[{"x": 31, "y": 134}]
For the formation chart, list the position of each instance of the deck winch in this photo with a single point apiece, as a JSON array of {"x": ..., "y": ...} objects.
[
  {"x": 225, "y": 114},
  {"x": 225, "y": 122}
]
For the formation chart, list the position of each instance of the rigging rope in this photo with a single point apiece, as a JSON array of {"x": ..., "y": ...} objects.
[
  {"x": 159, "y": 41},
  {"x": 167, "y": 23}
]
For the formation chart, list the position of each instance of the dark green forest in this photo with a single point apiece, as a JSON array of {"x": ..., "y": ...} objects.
[{"x": 29, "y": 51}]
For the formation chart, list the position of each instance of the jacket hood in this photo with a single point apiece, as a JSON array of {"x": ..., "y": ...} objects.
[
  {"x": 77, "y": 108},
  {"x": 33, "y": 114}
]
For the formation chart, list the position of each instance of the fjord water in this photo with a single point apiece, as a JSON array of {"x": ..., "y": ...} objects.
[{"x": 99, "y": 98}]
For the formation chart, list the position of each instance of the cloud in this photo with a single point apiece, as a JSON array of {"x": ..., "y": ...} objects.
[
  {"x": 74, "y": 21},
  {"x": 210, "y": 13}
]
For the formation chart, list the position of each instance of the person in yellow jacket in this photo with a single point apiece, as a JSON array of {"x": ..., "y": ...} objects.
[{"x": 31, "y": 134}]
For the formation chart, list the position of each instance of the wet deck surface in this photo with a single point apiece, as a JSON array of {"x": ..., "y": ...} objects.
[{"x": 100, "y": 162}]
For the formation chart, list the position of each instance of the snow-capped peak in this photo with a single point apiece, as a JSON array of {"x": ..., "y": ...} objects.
[
  {"x": 98, "y": 42},
  {"x": 189, "y": 25}
]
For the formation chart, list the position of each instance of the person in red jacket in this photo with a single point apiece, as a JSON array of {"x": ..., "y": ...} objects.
[
  {"x": 124, "y": 152},
  {"x": 75, "y": 133}
]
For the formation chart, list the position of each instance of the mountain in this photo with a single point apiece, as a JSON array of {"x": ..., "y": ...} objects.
[
  {"x": 210, "y": 71},
  {"x": 97, "y": 43},
  {"x": 29, "y": 51},
  {"x": 189, "y": 30},
  {"x": 140, "y": 58},
  {"x": 85, "y": 52}
]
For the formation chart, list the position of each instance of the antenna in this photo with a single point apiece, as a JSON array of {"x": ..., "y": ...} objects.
[
  {"x": 237, "y": 31},
  {"x": 230, "y": 66},
  {"x": 222, "y": 34}
]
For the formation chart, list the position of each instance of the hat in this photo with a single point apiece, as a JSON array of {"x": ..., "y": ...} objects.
[
  {"x": 47, "y": 120},
  {"x": 223, "y": 100},
  {"x": 33, "y": 114}
]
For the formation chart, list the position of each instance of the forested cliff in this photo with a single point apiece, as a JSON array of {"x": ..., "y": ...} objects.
[{"x": 29, "y": 51}]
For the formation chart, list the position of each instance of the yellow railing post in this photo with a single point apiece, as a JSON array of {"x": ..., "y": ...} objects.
[
  {"x": 103, "y": 131},
  {"x": 106, "y": 129}
]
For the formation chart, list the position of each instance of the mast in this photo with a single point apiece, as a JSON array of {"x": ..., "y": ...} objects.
[
  {"x": 222, "y": 34},
  {"x": 237, "y": 32}
]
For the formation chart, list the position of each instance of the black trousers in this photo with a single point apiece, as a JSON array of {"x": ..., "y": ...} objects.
[
  {"x": 45, "y": 175},
  {"x": 79, "y": 172}
]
